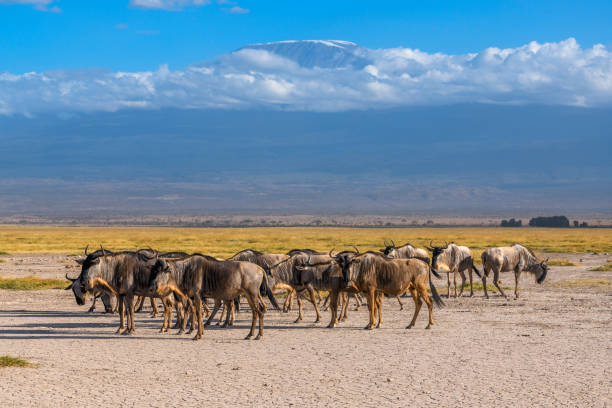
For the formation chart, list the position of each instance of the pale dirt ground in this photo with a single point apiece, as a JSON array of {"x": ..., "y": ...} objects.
[{"x": 553, "y": 347}]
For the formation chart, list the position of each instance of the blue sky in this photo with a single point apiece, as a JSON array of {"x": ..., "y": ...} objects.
[{"x": 85, "y": 34}]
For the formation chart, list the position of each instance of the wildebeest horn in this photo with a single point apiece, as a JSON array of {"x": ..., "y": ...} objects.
[
  {"x": 331, "y": 253},
  {"x": 356, "y": 249},
  {"x": 386, "y": 244},
  {"x": 446, "y": 246},
  {"x": 308, "y": 260},
  {"x": 86, "y": 249},
  {"x": 393, "y": 243},
  {"x": 103, "y": 251},
  {"x": 70, "y": 279}
]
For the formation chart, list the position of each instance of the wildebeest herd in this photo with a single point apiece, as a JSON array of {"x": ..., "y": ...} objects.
[{"x": 185, "y": 282}]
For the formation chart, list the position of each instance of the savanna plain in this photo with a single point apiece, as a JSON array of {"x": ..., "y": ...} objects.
[{"x": 551, "y": 347}]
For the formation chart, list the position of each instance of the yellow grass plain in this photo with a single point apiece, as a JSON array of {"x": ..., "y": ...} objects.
[{"x": 224, "y": 242}]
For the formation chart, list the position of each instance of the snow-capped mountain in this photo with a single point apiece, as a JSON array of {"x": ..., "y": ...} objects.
[{"x": 318, "y": 53}]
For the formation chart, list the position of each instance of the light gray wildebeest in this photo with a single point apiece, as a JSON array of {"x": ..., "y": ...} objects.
[
  {"x": 372, "y": 272},
  {"x": 405, "y": 251},
  {"x": 204, "y": 276},
  {"x": 452, "y": 258},
  {"x": 517, "y": 258},
  {"x": 266, "y": 261},
  {"x": 124, "y": 274}
]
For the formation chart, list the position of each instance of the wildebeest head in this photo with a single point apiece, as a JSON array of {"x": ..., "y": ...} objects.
[
  {"x": 390, "y": 249},
  {"x": 436, "y": 251},
  {"x": 344, "y": 260},
  {"x": 162, "y": 281},
  {"x": 540, "y": 270},
  {"x": 90, "y": 266}
]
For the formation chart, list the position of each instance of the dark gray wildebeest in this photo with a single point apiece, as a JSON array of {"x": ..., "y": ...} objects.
[
  {"x": 405, "y": 251},
  {"x": 204, "y": 276},
  {"x": 452, "y": 258},
  {"x": 97, "y": 294},
  {"x": 375, "y": 273},
  {"x": 517, "y": 258},
  {"x": 125, "y": 275},
  {"x": 286, "y": 273},
  {"x": 325, "y": 275}
]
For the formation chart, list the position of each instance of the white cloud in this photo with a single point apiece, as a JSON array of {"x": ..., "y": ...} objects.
[
  {"x": 239, "y": 10},
  {"x": 561, "y": 73},
  {"x": 167, "y": 4},
  {"x": 42, "y": 5}
]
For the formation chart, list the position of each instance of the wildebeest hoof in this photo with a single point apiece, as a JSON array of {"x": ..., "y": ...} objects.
[
  {"x": 428, "y": 327},
  {"x": 368, "y": 327},
  {"x": 91, "y": 309},
  {"x": 331, "y": 326},
  {"x": 197, "y": 337},
  {"x": 409, "y": 326},
  {"x": 258, "y": 337},
  {"x": 297, "y": 320},
  {"x": 248, "y": 337}
]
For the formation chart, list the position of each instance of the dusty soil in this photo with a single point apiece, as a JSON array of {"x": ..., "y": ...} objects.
[{"x": 553, "y": 347}]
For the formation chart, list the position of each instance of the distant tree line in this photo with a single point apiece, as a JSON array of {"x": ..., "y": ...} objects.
[
  {"x": 512, "y": 223},
  {"x": 557, "y": 221}
]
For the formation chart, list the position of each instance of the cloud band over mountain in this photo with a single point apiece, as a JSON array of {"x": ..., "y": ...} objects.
[{"x": 328, "y": 76}]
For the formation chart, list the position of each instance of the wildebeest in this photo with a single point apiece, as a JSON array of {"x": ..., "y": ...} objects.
[
  {"x": 405, "y": 251},
  {"x": 124, "y": 274},
  {"x": 205, "y": 276},
  {"x": 452, "y": 258},
  {"x": 286, "y": 273},
  {"x": 515, "y": 258},
  {"x": 266, "y": 261},
  {"x": 372, "y": 272}
]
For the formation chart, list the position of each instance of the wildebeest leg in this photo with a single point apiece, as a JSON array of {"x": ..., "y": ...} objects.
[
  {"x": 423, "y": 293},
  {"x": 517, "y": 277},
  {"x": 455, "y": 282},
  {"x": 313, "y": 300},
  {"x": 417, "y": 305},
  {"x": 121, "y": 306},
  {"x": 154, "y": 307},
  {"x": 181, "y": 311},
  {"x": 400, "y": 303},
  {"x": 496, "y": 282},
  {"x": 333, "y": 304},
  {"x": 462, "y": 274},
  {"x": 449, "y": 285},
  {"x": 192, "y": 315},
  {"x": 319, "y": 297},
  {"x": 254, "y": 314},
  {"x": 229, "y": 305},
  {"x": 139, "y": 303},
  {"x": 326, "y": 302},
  {"x": 108, "y": 303},
  {"x": 484, "y": 280},
  {"x": 379, "y": 301},
  {"x": 345, "y": 306},
  {"x": 299, "y": 302},
  {"x": 93, "y": 303},
  {"x": 223, "y": 312},
  {"x": 371, "y": 299},
  {"x": 129, "y": 303},
  {"x": 471, "y": 284},
  {"x": 214, "y": 311},
  {"x": 206, "y": 309},
  {"x": 198, "y": 311},
  {"x": 358, "y": 300}
]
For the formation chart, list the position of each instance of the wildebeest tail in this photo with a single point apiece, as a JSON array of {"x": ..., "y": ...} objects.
[
  {"x": 265, "y": 290},
  {"x": 434, "y": 293},
  {"x": 483, "y": 257},
  {"x": 435, "y": 272},
  {"x": 476, "y": 270}
]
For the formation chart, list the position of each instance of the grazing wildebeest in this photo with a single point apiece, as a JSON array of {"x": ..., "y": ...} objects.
[
  {"x": 205, "y": 276},
  {"x": 515, "y": 258},
  {"x": 454, "y": 259},
  {"x": 124, "y": 274},
  {"x": 372, "y": 272},
  {"x": 106, "y": 297}
]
